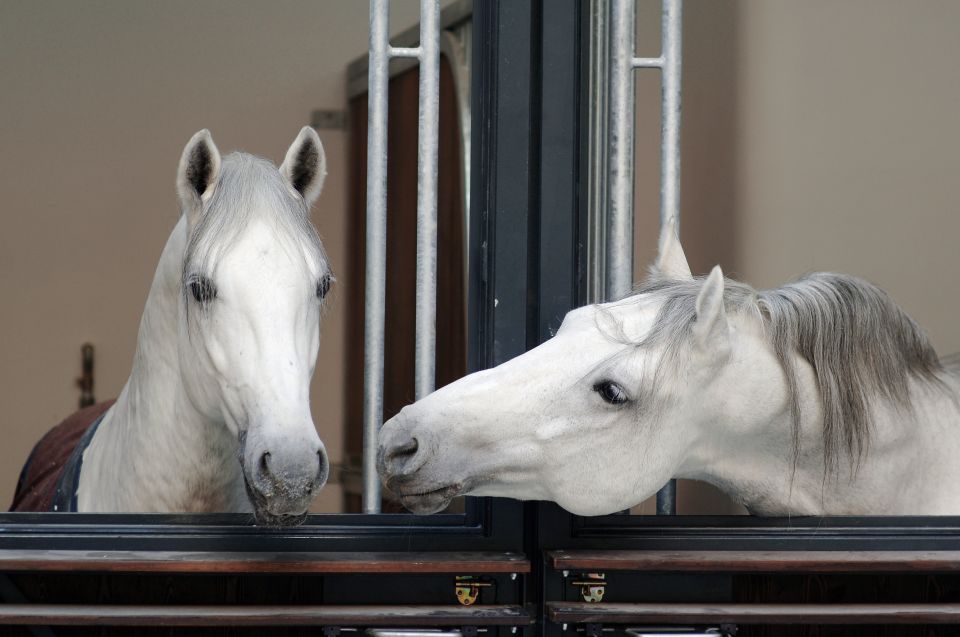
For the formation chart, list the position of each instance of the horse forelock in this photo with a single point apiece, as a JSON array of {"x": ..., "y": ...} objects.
[
  {"x": 249, "y": 188},
  {"x": 859, "y": 343}
]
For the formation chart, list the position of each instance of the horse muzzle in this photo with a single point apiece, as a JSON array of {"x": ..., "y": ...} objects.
[{"x": 282, "y": 480}]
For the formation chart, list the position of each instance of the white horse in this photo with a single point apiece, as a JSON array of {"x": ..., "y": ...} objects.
[
  {"x": 215, "y": 415},
  {"x": 820, "y": 397}
]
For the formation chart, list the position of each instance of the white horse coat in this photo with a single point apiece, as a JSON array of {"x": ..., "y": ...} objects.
[
  {"x": 215, "y": 415},
  {"x": 820, "y": 397}
]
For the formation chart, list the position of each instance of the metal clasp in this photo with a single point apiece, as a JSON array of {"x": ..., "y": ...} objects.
[
  {"x": 467, "y": 589},
  {"x": 592, "y": 586}
]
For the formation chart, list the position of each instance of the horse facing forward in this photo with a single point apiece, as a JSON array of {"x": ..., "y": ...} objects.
[
  {"x": 820, "y": 397},
  {"x": 215, "y": 415}
]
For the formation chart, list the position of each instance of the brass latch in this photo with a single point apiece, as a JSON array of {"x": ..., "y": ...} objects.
[
  {"x": 467, "y": 588},
  {"x": 592, "y": 586}
]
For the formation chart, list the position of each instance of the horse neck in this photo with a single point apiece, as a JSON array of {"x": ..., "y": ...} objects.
[
  {"x": 910, "y": 457},
  {"x": 154, "y": 451}
]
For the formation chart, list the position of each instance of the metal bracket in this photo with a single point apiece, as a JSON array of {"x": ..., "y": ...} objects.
[
  {"x": 329, "y": 120},
  {"x": 85, "y": 381},
  {"x": 467, "y": 589},
  {"x": 592, "y": 586}
]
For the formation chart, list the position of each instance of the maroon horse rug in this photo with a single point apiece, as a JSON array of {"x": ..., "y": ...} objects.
[{"x": 48, "y": 480}]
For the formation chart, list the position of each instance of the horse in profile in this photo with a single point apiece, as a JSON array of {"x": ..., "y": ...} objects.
[
  {"x": 215, "y": 415},
  {"x": 819, "y": 397}
]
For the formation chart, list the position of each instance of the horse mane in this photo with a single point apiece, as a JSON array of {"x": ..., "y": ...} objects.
[
  {"x": 857, "y": 340},
  {"x": 249, "y": 187}
]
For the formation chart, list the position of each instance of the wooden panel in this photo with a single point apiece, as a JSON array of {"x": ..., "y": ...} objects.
[
  {"x": 222, "y": 562},
  {"x": 583, "y": 612},
  {"x": 759, "y": 561},
  {"x": 132, "y": 615}
]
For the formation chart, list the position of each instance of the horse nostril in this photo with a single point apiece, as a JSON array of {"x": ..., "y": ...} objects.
[
  {"x": 404, "y": 458},
  {"x": 263, "y": 466},
  {"x": 322, "y": 468},
  {"x": 407, "y": 449}
]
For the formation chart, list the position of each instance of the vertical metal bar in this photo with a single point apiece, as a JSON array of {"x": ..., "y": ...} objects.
[
  {"x": 426, "y": 322},
  {"x": 378, "y": 83},
  {"x": 598, "y": 150},
  {"x": 672, "y": 21},
  {"x": 672, "y": 34},
  {"x": 619, "y": 244},
  {"x": 376, "y": 248},
  {"x": 619, "y": 240}
]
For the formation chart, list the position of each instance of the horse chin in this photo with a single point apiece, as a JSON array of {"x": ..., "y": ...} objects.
[
  {"x": 263, "y": 515},
  {"x": 432, "y": 501},
  {"x": 265, "y": 518}
]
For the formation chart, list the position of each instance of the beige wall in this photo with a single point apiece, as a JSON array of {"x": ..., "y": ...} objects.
[
  {"x": 849, "y": 127},
  {"x": 97, "y": 99}
]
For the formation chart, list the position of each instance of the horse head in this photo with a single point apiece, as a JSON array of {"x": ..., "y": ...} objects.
[
  {"x": 601, "y": 415},
  {"x": 253, "y": 284}
]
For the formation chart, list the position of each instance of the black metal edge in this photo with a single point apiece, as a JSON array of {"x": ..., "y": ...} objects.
[
  {"x": 561, "y": 530},
  {"x": 563, "y": 49}
]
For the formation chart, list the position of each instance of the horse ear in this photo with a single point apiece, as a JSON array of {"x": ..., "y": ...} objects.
[
  {"x": 198, "y": 172},
  {"x": 710, "y": 329},
  {"x": 671, "y": 261},
  {"x": 305, "y": 165}
]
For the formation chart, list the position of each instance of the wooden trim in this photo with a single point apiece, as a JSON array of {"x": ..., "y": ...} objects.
[
  {"x": 133, "y": 615},
  {"x": 759, "y": 561},
  {"x": 262, "y": 562},
  {"x": 583, "y": 612}
]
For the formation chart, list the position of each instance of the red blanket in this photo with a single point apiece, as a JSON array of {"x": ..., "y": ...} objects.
[{"x": 39, "y": 476}]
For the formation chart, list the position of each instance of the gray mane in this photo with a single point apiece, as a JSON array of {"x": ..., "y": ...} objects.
[
  {"x": 858, "y": 341},
  {"x": 249, "y": 187}
]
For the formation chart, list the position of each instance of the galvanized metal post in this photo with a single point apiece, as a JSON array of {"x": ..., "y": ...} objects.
[
  {"x": 672, "y": 25},
  {"x": 428, "y": 53},
  {"x": 619, "y": 274},
  {"x": 376, "y": 249},
  {"x": 426, "y": 322}
]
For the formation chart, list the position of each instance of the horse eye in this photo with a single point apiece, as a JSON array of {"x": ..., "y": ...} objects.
[
  {"x": 202, "y": 289},
  {"x": 611, "y": 392},
  {"x": 323, "y": 286}
]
